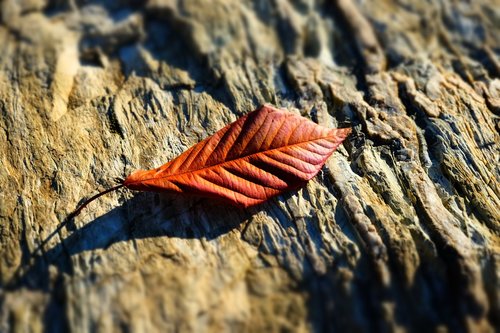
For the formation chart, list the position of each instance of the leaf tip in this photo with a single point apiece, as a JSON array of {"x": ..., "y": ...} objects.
[{"x": 343, "y": 133}]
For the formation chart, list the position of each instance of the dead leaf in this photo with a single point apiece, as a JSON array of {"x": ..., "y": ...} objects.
[{"x": 261, "y": 155}]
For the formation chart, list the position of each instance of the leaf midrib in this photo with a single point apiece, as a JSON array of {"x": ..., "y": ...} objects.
[{"x": 233, "y": 160}]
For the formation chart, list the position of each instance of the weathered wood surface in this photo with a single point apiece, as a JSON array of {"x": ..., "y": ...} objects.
[{"x": 399, "y": 232}]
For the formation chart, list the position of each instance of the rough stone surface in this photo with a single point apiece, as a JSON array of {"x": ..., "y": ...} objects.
[{"x": 399, "y": 232}]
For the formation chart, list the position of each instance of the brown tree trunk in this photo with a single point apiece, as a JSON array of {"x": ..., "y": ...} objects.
[{"x": 400, "y": 231}]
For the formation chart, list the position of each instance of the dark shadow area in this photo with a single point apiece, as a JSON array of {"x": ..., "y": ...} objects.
[
  {"x": 146, "y": 215},
  {"x": 348, "y": 303}
]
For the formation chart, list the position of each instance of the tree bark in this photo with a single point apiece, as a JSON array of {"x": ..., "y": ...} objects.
[{"x": 400, "y": 231}]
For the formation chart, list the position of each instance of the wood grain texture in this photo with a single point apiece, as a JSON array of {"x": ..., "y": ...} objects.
[{"x": 398, "y": 232}]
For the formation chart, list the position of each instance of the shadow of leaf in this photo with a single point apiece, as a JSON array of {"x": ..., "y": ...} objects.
[{"x": 146, "y": 215}]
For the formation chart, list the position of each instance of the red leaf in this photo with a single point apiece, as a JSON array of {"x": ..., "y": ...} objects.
[{"x": 263, "y": 154}]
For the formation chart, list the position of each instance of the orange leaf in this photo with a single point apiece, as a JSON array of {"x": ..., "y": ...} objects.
[{"x": 263, "y": 154}]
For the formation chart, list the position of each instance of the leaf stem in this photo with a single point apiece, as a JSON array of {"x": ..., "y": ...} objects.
[
  {"x": 74, "y": 214},
  {"x": 84, "y": 204}
]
